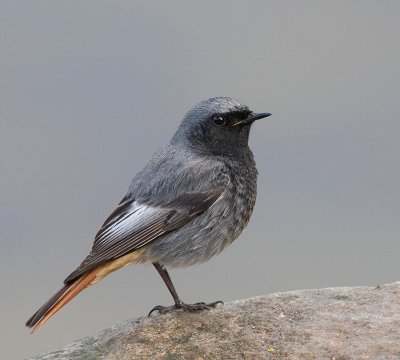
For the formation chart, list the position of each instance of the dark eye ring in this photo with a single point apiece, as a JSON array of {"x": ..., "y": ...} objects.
[{"x": 219, "y": 120}]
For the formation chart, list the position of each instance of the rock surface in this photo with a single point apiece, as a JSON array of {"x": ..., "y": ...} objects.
[{"x": 333, "y": 323}]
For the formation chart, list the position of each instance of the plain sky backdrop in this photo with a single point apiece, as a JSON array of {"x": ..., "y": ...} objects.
[{"x": 90, "y": 89}]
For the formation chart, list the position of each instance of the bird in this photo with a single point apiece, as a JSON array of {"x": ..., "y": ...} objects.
[{"x": 191, "y": 199}]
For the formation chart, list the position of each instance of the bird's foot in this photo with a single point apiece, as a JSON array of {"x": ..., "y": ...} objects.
[{"x": 185, "y": 307}]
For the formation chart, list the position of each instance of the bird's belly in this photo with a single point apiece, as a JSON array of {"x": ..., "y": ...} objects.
[{"x": 205, "y": 236}]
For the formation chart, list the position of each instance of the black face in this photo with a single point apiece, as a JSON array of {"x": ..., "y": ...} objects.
[
  {"x": 223, "y": 133},
  {"x": 217, "y": 126},
  {"x": 230, "y": 119}
]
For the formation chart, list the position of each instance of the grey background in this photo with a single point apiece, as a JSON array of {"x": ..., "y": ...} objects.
[{"x": 90, "y": 89}]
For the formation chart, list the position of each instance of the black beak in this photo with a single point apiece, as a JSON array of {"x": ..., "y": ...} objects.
[{"x": 254, "y": 117}]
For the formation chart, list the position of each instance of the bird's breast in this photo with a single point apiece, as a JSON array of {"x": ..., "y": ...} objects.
[
  {"x": 241, "y": 197},
  {"x": 209, "y": 233}
]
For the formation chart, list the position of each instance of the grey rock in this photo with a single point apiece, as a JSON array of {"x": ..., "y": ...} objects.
[{"x": 332, "y": 323}]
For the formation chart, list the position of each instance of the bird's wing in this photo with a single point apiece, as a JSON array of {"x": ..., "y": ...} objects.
[{"x": 134, "y": 224}]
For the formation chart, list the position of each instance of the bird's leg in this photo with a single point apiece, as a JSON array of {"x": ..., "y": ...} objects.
[
  {"x": 179, "y": 304},
  {"x": 165, "y": 276}
]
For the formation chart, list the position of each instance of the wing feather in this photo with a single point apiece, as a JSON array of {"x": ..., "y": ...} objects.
[{"x": 134, "y": 224}]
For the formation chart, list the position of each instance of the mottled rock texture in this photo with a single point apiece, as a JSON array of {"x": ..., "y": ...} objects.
[{"x": 333, "y": 323}]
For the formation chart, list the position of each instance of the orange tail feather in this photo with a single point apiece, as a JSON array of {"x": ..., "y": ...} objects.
[{"x": 63, "y": 297}]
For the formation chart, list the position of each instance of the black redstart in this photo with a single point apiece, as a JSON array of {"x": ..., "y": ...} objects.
[{"x": 192, "y": 198}]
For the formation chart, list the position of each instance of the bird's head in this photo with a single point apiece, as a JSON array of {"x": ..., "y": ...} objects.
[{"x": 219, "y": 125}]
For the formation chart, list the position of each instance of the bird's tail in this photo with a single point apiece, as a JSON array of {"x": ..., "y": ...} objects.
[{"x": 59, "y": 299}]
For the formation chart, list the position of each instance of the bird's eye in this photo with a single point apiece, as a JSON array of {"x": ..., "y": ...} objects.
[{"x": 219, "y": 120}]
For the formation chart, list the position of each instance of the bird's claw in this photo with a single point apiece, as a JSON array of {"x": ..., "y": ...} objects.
[{"x": 185, "y": 307}]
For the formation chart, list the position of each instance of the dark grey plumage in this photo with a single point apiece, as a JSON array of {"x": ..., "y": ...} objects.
[{"x": 191, "y": 200}]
